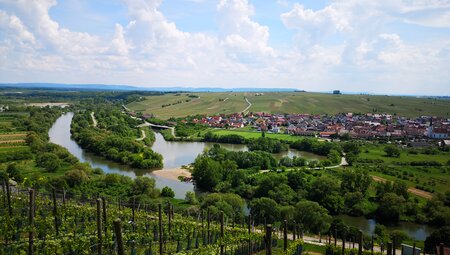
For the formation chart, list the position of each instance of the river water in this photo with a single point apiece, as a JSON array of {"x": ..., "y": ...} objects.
[{"x": 176, "y": 154}]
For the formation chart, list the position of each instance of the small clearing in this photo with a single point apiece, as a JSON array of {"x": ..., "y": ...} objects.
[{"x": 418, "y": 192}]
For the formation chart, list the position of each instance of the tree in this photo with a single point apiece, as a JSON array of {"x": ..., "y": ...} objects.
[
  {"x": 442, "y": 235},
  {"x": 391, "y": 207},
  {"x": 325, "y": 191},
  {"x": 207, "y": 173},
  {"x": 286, "y": 161},
  {"x": 355, "y": 180},
  {"x": 144, "y": 186},
  {"x": 264, "y": 208},
  {"x": 191, "y": 198},
  {"x": 14, "y": 172},
  {"x": 312, "y": 216},
  {"x": 392, "y": 151},
  {"x": 167, "y": 192},
  {"x": 231, "y": 204},
  {"x": 49, "y": 161}
]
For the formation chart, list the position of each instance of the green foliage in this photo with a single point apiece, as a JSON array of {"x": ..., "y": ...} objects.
[
  {"x": 391, "y": 207},
  {"x": 191, "y": 198},
  {"x": 325, "y": 191},
  {"x": 442, "y": 235},
  {"x": 167, "y": 192},
  {"x": 264, "y": 208},
  {"x": 312, "y": 216},
  {"x": 355, "y": 180},
  {"x": 231, "y": 138},
  {"x": 114, "y": 138},
  {"x": 49, "y": 161},
  {"x": 392, "y": 151},
  {"x": 231, "y": 204},
  {"x": 267, "y": 144},
  {"x": 314, "y": 146},
  {"x": 207, "y": 172}
]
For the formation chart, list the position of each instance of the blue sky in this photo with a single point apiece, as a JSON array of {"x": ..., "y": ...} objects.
[{"x": 383, "y": 46}]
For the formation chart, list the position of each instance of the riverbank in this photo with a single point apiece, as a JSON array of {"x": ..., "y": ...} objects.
[{"x": 173, "y": 173}]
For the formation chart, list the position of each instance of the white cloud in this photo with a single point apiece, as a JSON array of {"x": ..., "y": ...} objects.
[{"x": 343, "y": 44}]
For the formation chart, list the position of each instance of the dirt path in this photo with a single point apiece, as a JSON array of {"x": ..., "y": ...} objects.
[
  {"x": 144, "y": 135},
  {"x": 248, "y": 107},
  {"x": 418, "y": 192},
  {"x": 93, "y": 119}
]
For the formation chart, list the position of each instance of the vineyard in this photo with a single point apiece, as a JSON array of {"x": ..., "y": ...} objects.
[{"x": 39, "y": 223}]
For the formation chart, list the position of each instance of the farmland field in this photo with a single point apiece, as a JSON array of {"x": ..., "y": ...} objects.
[{"x": 180, "y": 105}]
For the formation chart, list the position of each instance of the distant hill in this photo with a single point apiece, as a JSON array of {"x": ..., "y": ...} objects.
[
  {"x": 183, "y": 104},
  {"x": 133, "y": 88}
]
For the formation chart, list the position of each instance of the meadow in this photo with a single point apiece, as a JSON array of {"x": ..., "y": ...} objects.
[{"x": 183, "y": 104}]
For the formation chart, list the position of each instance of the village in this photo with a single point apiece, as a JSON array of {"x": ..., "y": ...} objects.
[{"x": 359, "y": 126}]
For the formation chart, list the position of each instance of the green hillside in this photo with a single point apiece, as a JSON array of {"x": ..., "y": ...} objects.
[{"x": 179, "y": 105}]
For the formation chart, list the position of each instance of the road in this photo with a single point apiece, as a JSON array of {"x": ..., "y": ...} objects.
[{"x": 148, "y": 124}]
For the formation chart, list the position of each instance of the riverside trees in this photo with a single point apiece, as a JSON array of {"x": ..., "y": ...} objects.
[{"x": 114, "y": 138}]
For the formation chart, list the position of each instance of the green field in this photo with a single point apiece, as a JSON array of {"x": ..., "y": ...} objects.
[{"x": 289, "y": 102}]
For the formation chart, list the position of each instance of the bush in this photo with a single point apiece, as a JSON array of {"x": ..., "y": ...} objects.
[
  {"x": 167, "y": 192},
  {"x": 392, "y": 151}
]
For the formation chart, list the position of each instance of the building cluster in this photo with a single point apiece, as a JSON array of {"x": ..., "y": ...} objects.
[{"x": 364, "y": 126}]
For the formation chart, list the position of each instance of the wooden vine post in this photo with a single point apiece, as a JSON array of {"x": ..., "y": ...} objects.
[
  {"x": 360, "y": 241},
  {"x": 285, "y": 235},
  {"x": 389, "y": 248},
  {"x": 105, "y": 223},
  {"x": 160, "y": 229},
  {"x": 343, "y": 243},
  {"x": 394, "y": 244},
  {"x": 4, "y": 192},
  {"x": 55, "y": 212},
  {"x": 118, "y": 231},
  {"x": 169, "y": 214},
  {"x": 208, "y": 223},
  {"x": 31, "y": 224},
  {"x": 221, "y": 233},
  {"x": 335, "y": 236},
  {"x": 99, "y": 227},
  {"x": 293, "y": 230},
  {"x": 268, "y": 239},
  {"x": 371, "y": 248},
  {"x": 8, "y": 197},
  {"x": 249, "y": 234}
]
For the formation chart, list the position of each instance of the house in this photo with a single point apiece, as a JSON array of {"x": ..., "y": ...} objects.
[
  {"x": 326, "y": 134},
  {"x": 437, "y": 133},
  {"x": 445, "y": 143}
]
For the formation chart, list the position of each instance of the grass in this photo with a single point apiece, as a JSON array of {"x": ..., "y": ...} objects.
[
  {"x": 290, "y": 102},
  {"x": 377, "y": 152},
  {"x": 254, "y": 134}
]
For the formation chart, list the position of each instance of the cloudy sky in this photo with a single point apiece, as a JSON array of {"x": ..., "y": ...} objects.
[{"x": 378, "y": 46}]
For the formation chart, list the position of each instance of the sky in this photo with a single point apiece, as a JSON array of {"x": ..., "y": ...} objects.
[{"x": 370, "y": 46}]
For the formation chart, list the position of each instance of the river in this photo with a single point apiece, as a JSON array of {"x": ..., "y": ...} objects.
[
  {"x": 176, "y": 154},
  {"x": 416, "y": 231}
]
